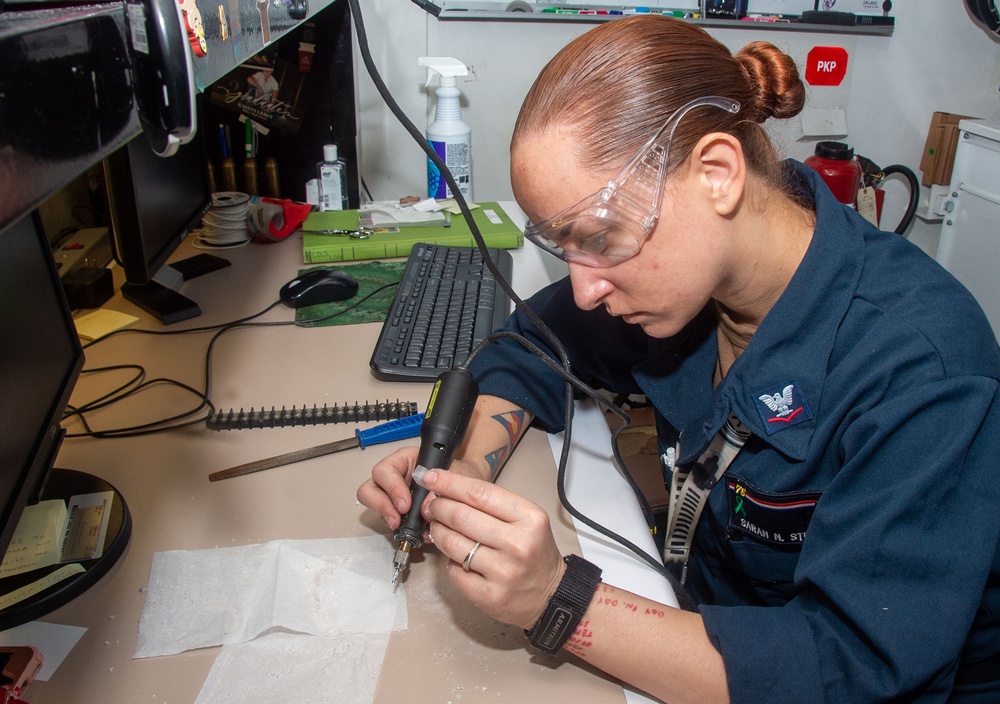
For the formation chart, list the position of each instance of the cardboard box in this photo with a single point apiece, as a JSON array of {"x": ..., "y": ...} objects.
[{"x": 939, "y": 149}]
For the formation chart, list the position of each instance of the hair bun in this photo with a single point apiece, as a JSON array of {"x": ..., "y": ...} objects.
[{"x": 774, "y": 81}]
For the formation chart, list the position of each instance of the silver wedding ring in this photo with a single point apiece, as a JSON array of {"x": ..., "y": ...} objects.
[{"x": 468, "y": 558}]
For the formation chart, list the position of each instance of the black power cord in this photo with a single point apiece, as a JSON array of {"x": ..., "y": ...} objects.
[
  {"x": 138, "y": 383},
  {"x": 562, "y": 367}
]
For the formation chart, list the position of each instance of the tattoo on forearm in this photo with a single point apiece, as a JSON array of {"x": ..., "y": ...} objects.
[
  {"x": 513, "y": 423},
  {"x": 607, "y": 598},
  {"x": 581, "y": 640},
  {"x": 495, "y": 460}
]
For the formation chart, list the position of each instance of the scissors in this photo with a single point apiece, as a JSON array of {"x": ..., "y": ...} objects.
[{"x": 361, "y": 233}]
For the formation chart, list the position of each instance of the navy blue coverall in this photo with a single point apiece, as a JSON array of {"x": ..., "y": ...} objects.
[{"x": 850, "y": 554}]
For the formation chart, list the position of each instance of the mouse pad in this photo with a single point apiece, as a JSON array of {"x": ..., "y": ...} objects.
[{"x": 371, "y": 276}]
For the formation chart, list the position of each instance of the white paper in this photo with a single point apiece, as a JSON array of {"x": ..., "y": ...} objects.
[
  {"x": 288, "y": 667},
  {"x": 392, "y": 214},
  {"x": 595, "y": 487},
  {"x": 428, "y": 205},
  {"x": 54, "y": 640},
  {"x": 599, "y": 492},
  {"x": 327, "y": 587}
]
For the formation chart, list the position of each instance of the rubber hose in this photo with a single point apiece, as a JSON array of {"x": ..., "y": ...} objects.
[{"x": 911, "y": 207}]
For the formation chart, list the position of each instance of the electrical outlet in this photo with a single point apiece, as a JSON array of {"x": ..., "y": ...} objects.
[{"x": 89, "y": 247}]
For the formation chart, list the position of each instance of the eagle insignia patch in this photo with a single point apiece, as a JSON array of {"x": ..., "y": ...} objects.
[{"x": 782, "y": 407}]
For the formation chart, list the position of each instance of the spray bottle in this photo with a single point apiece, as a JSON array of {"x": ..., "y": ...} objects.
[{"x": 448, "y": 134}]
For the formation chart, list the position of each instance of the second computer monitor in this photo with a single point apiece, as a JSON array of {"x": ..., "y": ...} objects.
[{"x": 154, "y": 204}]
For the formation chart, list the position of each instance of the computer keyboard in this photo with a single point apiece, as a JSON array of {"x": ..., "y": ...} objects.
[{"x": 446, "y": 304}]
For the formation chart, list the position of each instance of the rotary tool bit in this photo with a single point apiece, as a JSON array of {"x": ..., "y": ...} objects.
[{"x": 441, "y": 433}]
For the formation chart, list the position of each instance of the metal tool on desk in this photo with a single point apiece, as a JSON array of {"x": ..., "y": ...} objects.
[
  {"x": 399, "y": 429},
  {"x": 360, "y": 233}
]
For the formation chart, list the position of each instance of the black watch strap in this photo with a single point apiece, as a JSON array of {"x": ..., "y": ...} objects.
[{"x": 567, "y": 605}]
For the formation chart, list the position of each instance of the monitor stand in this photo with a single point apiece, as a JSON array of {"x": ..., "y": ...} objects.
[
  {"x": 160, "y": 297},
  {"x": 164, "y": 304},
  {"x": 64, "y": 484}
]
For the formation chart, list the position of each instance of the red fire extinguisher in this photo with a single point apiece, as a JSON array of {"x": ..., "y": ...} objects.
[
  {"x": 846, "y": 173},
  {"x": 835, "y": 162}
]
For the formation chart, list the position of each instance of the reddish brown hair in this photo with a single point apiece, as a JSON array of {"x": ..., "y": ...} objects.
[{"x": 617, "y": 84}]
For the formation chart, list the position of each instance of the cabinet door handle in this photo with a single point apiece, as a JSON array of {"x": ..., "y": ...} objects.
[{"x": 991, "y": 197}]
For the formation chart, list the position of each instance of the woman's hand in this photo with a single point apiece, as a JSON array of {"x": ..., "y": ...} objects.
[
  {"x": 387, "y": 492},
  {"x": 517, "y": 566}
]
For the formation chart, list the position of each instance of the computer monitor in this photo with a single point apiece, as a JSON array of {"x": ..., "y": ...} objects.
[
  {"x": 40, "y": 361},
  {"x": 154, "y": 202}
]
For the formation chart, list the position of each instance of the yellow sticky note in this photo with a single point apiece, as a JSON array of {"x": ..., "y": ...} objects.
[
  {"x": 452, "y": 207},
  {"x": 101, "y": 322}
]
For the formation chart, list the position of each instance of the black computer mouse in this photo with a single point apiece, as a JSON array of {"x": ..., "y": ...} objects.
[{"x": 318, "y": 286}]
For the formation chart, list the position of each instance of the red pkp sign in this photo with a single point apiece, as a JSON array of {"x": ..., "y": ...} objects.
[{"x": 826, "y": 66}]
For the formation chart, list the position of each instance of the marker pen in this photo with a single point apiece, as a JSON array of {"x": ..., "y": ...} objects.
[
  {"x": 249, "y": 163},
  {"x": 228, "y": 166}
]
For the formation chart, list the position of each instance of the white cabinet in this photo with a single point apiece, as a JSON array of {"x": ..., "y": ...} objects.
[{"x": 970, "y": 233}]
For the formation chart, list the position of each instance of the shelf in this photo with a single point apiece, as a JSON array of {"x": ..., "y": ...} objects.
[
  {"x": 789, "y": 26},
  {"x": 66, "y": 97},
  {"x": 249, "y": 26}
]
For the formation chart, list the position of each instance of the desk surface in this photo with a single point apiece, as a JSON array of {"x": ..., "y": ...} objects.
[{"x": 450, "y": 651}]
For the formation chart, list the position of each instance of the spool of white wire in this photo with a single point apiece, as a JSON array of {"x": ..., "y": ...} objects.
[{"x": 225, "y": 224}]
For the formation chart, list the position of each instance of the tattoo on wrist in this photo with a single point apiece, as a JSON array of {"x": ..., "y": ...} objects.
[
  {"x": 581, "y": 640},
  {"x": 610, "y": 597},
  {"x": 607, "y": 598}
]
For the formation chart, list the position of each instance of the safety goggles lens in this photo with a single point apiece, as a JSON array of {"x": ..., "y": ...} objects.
[
  {"x": 611, "y": 225},
  {"x": 596, "y": 234}
]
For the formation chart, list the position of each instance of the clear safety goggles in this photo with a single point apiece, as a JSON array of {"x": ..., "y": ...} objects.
[{"x": 610, "y": 226}]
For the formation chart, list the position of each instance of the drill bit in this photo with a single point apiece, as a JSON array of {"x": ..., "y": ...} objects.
[
  {"x": 410, "y": 534},
  {"x": 401, "y": 559}
]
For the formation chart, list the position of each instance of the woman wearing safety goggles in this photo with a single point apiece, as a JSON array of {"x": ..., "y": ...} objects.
[{"x": 843, "y": 546}]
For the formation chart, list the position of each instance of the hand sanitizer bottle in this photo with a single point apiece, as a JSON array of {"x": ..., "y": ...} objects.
[{"x": 332, "y": 180}]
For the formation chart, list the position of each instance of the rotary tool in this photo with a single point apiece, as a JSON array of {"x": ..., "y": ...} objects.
[{"x": 441, "y": 433}]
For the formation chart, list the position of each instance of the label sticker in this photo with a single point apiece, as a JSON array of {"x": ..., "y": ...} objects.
[
  {"x": 137, "y": 28},
  {"x": 867, "y": 205},
  {"x": 86, "y": 526},
  {"x": 826, "y": 66}
]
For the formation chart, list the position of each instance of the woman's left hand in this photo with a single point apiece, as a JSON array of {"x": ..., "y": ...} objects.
[{"x": 517, "y": 566}]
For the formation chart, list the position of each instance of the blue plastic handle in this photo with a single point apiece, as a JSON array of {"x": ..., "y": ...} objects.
[{"x": 399, "y": 429}]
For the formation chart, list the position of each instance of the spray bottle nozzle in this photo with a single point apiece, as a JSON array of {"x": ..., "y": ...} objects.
[{"x": 445, "y": 66}]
